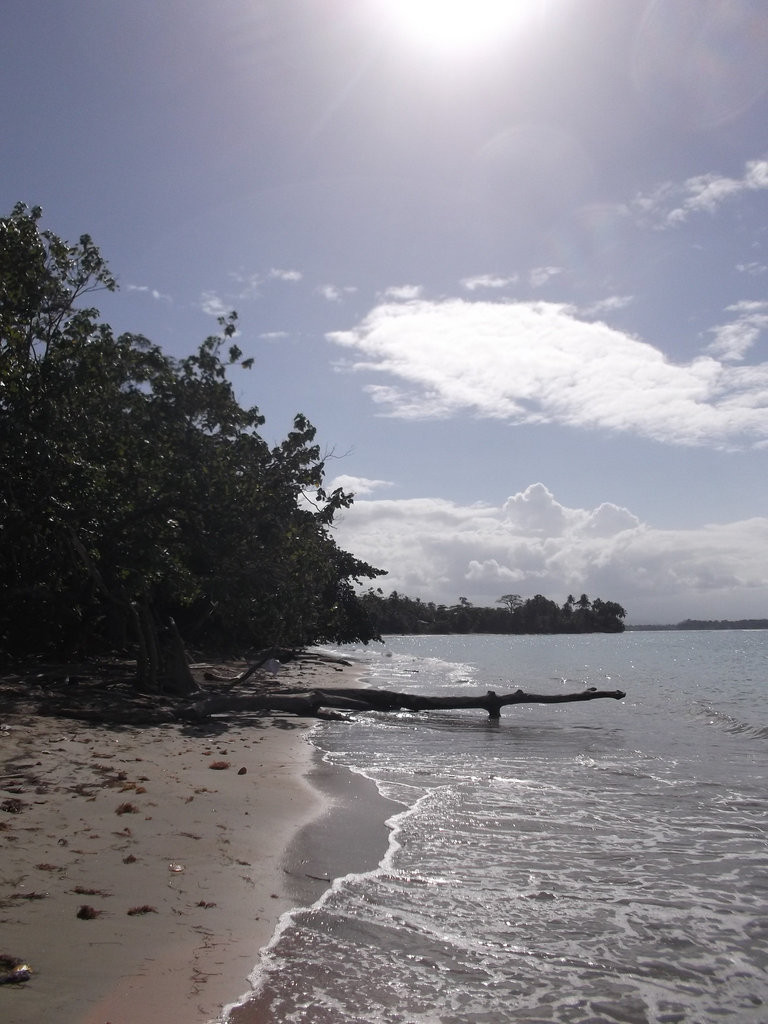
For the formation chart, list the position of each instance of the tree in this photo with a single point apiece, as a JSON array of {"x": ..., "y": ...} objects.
[
  {"x": 139, "y": 505},
  {"x": 510, "y": 601}
]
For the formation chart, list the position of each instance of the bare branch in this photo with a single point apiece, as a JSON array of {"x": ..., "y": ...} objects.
[{"x": 309, "y": 702}]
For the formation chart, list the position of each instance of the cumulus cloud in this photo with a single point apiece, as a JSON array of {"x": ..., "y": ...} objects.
[
  {"x": 437, "y": 549},
  {"x": 539, "y": 363},
  {"x": 672, "y": 203}
]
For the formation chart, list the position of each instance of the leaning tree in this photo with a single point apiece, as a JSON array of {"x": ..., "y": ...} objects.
[{"x": 140, "y": 508}]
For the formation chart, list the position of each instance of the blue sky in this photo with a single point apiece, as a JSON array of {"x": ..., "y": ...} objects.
[{"x": 511, "y": 259}]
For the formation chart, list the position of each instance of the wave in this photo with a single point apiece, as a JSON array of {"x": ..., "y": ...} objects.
[{"x": 728, "y": 723}]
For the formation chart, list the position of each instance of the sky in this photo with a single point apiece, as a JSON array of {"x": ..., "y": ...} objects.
[{"x": 510, "y": 258}]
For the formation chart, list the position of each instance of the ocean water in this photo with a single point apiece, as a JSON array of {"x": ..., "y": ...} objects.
[{"x": 595, "y": 863}]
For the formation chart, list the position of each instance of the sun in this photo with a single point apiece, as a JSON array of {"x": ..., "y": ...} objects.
[{"x": 452, "y": 26}]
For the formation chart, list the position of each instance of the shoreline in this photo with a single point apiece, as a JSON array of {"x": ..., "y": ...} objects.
[
  {"x": 348, "y": 836},
  {"x": 121, "y": 819}
]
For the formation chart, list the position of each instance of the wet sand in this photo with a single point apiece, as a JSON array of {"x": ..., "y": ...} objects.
[
  {"x": 349, "y": 835},
  {"x": 142, "y": 869}
]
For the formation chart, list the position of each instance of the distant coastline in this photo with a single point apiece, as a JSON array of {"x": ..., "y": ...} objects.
[{"x": 703, "y": 624}]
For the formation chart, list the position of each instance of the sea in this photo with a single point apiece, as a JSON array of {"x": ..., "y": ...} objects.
[{"x": 603, "y": 862}]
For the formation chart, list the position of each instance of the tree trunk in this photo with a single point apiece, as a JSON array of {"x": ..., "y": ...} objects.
[
  {"x": 161, "y": 663},
  {"x": 309, "y": 702},
  {"x": 176, "y": 674}
]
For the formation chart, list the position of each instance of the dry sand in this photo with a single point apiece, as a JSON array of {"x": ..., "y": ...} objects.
[{"x": 174, "y": 839}]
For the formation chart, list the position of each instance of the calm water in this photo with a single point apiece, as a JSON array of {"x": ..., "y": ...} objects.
[{"x": 577, "y": 863}]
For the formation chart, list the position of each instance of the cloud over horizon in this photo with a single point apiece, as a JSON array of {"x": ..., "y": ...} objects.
[{"x": 440, "y": 550}]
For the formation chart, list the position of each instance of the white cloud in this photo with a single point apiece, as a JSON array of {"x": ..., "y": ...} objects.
[
  {"x": 335, "y": 293},
  {"x": 153, "y": 292},
  {"x": 249, "y": 285},
  {"x": 704, "y": 192},
  {"x": 539, "y": 276},
  {"x": 672, "y": 203},
  {"x": 609, "y": 305},
  {"x": 358, "y": 485},
  {"x": 733, "y": 340},
  {"x": 756, "y": 175},
  {"x": 753, "y": 268},
  {"x": 273, "y": 335},
  {"x": 403, "y": 292},
  {"x": 487, "y": 281},
  {"x": 213, "y": 305},
  {"x": 437, "y": 550},
  {"x": 285, "y": 275},
  {"x": 539, "y": 363}
]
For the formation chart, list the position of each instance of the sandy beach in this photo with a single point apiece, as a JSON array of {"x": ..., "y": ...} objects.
[{"x": 143, "y": 868}]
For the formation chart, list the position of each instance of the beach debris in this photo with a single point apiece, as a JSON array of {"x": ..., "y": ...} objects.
[
  {"x": 242, "y": 771},
  {"x": 12, "y": 806},
  {"x": 29, "y": 896},
  {"x": 48, "y": 867},
  {"x": 176, "y": 868},
  {"x": 127, "y": 808},
  {"x": 130, "y": 859},
  {"x": 86, "y": 913},
  {"x": 13, "y": 970},
  {"x": 204, "y": 905},
  {"x": 82, "y": 890},
  {"x": 144, "y": 909},
  {"x": 219, "y": 766}
]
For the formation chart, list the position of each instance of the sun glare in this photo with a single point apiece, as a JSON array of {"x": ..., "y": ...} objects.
[{"x": 452, "y": 26}]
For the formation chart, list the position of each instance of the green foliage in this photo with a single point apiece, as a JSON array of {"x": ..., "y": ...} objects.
[
  {"x": 135, "y": 489},
  {"x": 399, "y": 614}
]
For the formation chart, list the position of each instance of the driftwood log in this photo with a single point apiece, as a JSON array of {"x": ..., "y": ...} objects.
[{"x": 312, "y": 702}]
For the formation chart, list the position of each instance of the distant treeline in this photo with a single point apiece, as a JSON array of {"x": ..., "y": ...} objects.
[
  {"x": 400, "y": 614},
  {"x": 708, "y": 624}
]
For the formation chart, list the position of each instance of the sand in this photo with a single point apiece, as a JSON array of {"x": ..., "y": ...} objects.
[{"x": 142, "y": 869}]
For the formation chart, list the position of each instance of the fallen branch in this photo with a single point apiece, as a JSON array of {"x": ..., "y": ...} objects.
[{"x": 309, "y": 702}]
